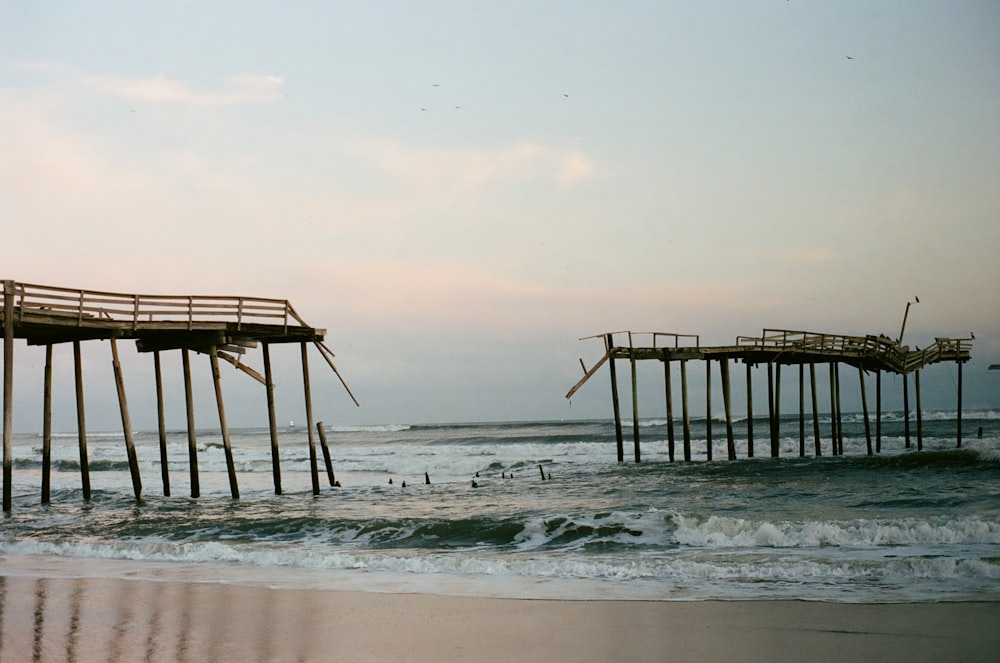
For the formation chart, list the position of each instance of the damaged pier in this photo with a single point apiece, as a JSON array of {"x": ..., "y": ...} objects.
[
  {"x": 775, "y": 348},
  {"x": 219, "y": 327}
]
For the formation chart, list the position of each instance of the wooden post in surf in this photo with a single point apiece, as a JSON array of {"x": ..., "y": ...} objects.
[
  {"x": 326, "y": 453},
  {"x": 192, "y": 439},
  {"x": 47, "y": 425},
  {"x": 770, "y": 408},
  {"x": 81, "y": 421},
  {"x": 668, "y": 392},
  {"x": 920, "y": 416},
  {"x": 609, "y": 344},
  {"x": 685, "y": 413},
  {"x": 802, "y": 411},
  {"x": 776, "y": 435},
  {"x": 727, "y": 404},
  {"x": 749, "y": 412},
  {"x": 878, "y": 411},
  {"x": 958, "y": 413},
  {"x": 234, "y": 488},
  {"x": 313, "y": 470},
  {"x": 864, "y": 409},
  {"x": 8, "y": 391},
  {"x": 272, "y": 420},
  {"x": 161, "y": 425},
  {"x": 708, "y": 408},
  {"x": 133, "y": 459},
  {"x": 833, "y": 411},
  {"x": 815, "y": 409},
  {"x": 906, "y": 409},
  {"x": 635, "y": 407},
  {"x": 840, "y": 421}
]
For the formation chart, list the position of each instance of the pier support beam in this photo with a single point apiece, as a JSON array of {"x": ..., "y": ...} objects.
[
  {"x": 802, "y": 411},
  {"x": 815, "y": 409},
  {"x": 833, "y": 409},
  {"x": 234, "y": 488},
  {"x": 161, "y": 425},
  {"x": 685, "y": 412},
  {"x": 840, "y": 420},
  {"x": 192, "y": 439},
  {"x": 609, "y": 343},
  {"x": 313, "y": 469},
  {"x": 906, "y": 409},
  {"x": 272, "y": 420},
  {"x": 864, "y": 409},
  {"x": 958, "y": 408},
  {"x": 668, "y": 392},
  {"x": 326, "y": 453},
  {"x": 8, "y": 391},
  {"x": 749, "y": 411},
  {"x": 727, "y": 404},
  {"x": 133, "y": 459},
  {"x": 81, "y": 421},
  {"x": 920, "y": 415},
  {"x": 47, "y": 426},
  {"x": 635, "y": 408},
  {"x": 708, "y": 408},
  {"x": 878, "y": 411}
]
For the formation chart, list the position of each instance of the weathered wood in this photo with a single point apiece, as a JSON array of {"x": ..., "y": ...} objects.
[
  {"x": 686, "y": 414},
  {"x": 815, "y": 409},
  {"x": 8, "y": 391},
  {"x": 161, "y": 425},
  {"x": 192, "y": 436},
  {"x": 133, "y": 459},
  {"x": 906, "y": 409},
  {"x": 864, "y": 409},
  {"x": 81, "y": 421},
  {"x": 326, "y": 453},
  {"x": 615, "y": 404},
  {"x": 223, "y": 427},
  {"x": 802, "y": 411},
  {"x": 770, "y": 410},
  {"x": 668, "y": 394},
  {"x": 727, "y": 404},
  {"x": 920, "y": 414},
  {"x": 635, "y": 411},
  {"x": 878, "y": 411},
  {"x": 708, "y": 409},
  {"x": 840, "y": 421},
  {"x": 272, "y": 421},
  {"x": 239, "y": 365},
  {"x": 313, "y": 469},
  {"x": 47, "y": 426},
  {"x": 958, "y": 413},
  {"x": 776, "y": 436},
  {"x": 749, "y": 412},
  {"x": 833, "y": 409}
]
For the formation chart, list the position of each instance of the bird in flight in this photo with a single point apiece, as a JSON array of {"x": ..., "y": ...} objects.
[{"x": 848, "y": 57}]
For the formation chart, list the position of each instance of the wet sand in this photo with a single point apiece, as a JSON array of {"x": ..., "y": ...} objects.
[{"x": 84, "y": 620}]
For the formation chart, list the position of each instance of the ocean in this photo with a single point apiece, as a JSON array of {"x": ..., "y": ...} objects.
[{"x": 900, "y": 526}]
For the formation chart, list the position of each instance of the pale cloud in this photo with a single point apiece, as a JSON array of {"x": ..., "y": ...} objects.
[{"x": 239, "y": 89}]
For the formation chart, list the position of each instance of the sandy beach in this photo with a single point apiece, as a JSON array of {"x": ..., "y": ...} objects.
[{"x": 71, "y": 619}]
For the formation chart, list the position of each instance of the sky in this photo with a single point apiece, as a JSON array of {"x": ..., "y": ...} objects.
[{"x": 458, "y": 191}]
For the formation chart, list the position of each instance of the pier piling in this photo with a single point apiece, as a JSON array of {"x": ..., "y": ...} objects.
[
  {"x": 47, "y": 426},
  {"x": 81, "y": 421},
  {"x": 161, "y": 425},
  {"x": 272, "y": 422},
  {"x": 223, "y": 427},
  {"x": 313, "y": 469},
  {"x": 192, "y": 436},
  {"x": 326, "y": 453},
  {"x": 133, "y": 459}
]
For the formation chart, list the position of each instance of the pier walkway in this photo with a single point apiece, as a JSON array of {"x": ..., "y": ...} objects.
[
  {"x": 775, "y": 348},
  {"x": 222, "y": 327}
]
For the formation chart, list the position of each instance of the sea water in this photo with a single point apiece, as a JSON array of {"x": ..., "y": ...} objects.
[{"x": 900, "y": 525}]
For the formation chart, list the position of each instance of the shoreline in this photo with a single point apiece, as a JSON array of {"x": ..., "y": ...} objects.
[{"x": 108, "y": 619}]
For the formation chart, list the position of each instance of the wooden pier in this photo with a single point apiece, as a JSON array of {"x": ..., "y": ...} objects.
[
  {"x": 219, "y": 327},
  {"x": 775, "y": 348}
]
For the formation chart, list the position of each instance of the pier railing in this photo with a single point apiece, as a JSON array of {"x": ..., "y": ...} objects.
[{"x": 88, "y": 306}]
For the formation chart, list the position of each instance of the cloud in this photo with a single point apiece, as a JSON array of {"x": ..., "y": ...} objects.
[{"x": 239, "y": 89}]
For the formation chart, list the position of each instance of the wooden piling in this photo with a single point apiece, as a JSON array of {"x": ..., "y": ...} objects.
[
  {"x": 635, "y": 408},
  {"x": 878, "y": 411},
  {"x": 609, "y": 342},
  {"x": 840, "y": 420},
  {"x": 8, "y": 391},
  {"x": 906, "y": 409},
  {"x": 802, "y": 411},
  {"x": 313, "y": 469},
  {"x": 776, "y": 437},
  {"x": 864, "y": 409},
  {"x": 213, "y": 355},
  {"x": 161, "y": 425},
  {"x": 920, "y": 414},
  {"x": 668, "y": 392},
  {"x": 749, "y": 411},
  {"x": 192, "y": 438},
  {"x": 815, "y": 409},
  {"x": 708, "y": 408},
  {"x": 272, "y": 420},
  {"x": 685, "y": 413},
  {"x": 958, "y": 412},
  {"x": 772, "y": 397},
  {"x": 133, "y": 459},
  {"x": 833, "y": 410},
  {"x": 47, "y": 426},
  {"x": 326, "y": 453},
  {"x": 81, "y": 421},
  {"x": 727, "y": 404}
]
